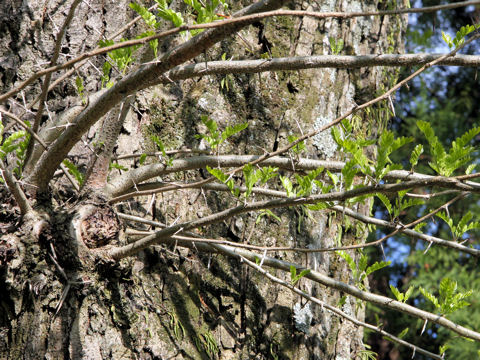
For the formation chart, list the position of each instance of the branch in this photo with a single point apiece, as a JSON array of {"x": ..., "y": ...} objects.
[
  {"x": 351, "y": 290},
  {"x": 15, "y": 189},
  {"x": 160, "y": 153},
  {"x": 97, "y": 171},
  {"x": 326, "y": 281},
  {"x": 148, "y": 74},
  {"x": 53, "y": 61},
  {"x": 135, "y": 81},
  {"x": 53, "y": 128},
  {"x": 409, "y": 232},
  {"x": 227, "y": 22},
  {"x": 128, "y": 250},
  {"x": 340, "y": 209},
  {"x": 338, "y": 311},
  {"x": 40, "y": 141},
  {"x": 79, "y": 64},
  {"x": 354, "y": 110},
  {"x": 132, "y": 178},
  {"x": 183, "y": 72}
]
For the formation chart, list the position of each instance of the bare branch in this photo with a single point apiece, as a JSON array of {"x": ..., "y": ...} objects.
[
  {"x": 133, "y": 82},
  {"x": 404, "y": 229},
  {"x": 183, "y": 72},
  {"x": 349, "y": 289},
  {"x": 227, "y": 22},
  {"x": 97, "y": 171},
  {"x": 158, "y": 236},
  {"x": 15, "y": 189},
  {"x": 159, "y": 154},
  {"x": 339, "y": 312},
  {"x": 327, "y": 281},
  {"x": 79, "y": 64},
  {"x": 53, "y": 62},
  {"x": 386, "y": 95}
]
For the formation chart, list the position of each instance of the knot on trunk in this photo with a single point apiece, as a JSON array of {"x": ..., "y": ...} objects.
[{"x": 99, "y": 226}]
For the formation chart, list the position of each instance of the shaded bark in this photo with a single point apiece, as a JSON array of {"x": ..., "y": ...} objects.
[{"x": 64, "y": 300}]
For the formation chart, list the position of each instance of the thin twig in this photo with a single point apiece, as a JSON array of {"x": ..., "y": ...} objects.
[
  {"x": 231, "y": 21},
  {"x": 311, "y": 134},
  {"x": 405, "y": 229},
  {"x": 41, "y": 142},
  {"x": 337, "y": 311},
  {"x": 141, "y": 244},
  {"x": 15, "y": 189}
]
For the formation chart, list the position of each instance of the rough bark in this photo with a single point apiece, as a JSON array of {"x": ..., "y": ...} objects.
[{"x": 60, "y": 302}]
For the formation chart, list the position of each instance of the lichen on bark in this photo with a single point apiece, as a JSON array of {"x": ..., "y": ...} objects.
[{"x": 170, "y": 302}]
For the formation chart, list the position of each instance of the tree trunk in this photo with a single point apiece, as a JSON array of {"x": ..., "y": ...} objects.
[{"x": 172, "y": 302}]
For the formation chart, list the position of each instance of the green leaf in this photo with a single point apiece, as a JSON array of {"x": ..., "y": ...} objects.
[
  {"x": 342, "y": 301},
  {"x": 106, "y": 73},
  {"x": 319, "y": 206},
  {"x": 122, "y": 57},
  {"x": 403, "y": 333},
  {"x": 398, "y": 295},
  {"x": 267, "y": 212},
  {"x": 219, "y": 174},
  {"x": 442, "y": 215},
  {"x": 386, "y": 202},
  {"x": 80, "y": 88},
  {"x": 430, "y": 297},
  {"x": 297, "y": 149},
  {"x": 447, "y": 289},
  {"x": 436, "y": 148},
  {"x": 142, "y": 158},
  {"x": 408, "y": 293},
  {"x": 334, "y": 178},
  {"x": 306, "y": 182},
  {"x": 418, "y": 227},
  {"x": 349, "y": 171},
  {"x": 146, "y": 15},
  {"x": 447, "y": 39},
  {"x": 267, "y": 173},
  {"x": 362, "y": 262},
  {"x": 411, "y": 202},
  {"x": 73, "y": 170},
  {"x": 288, "y": 186},
  {"x": 169, "y": 15},
  {"x": 251, "y": 177},
  {"x": 348, "y": 259},
  {"x": 444, "y": 348},
  {"x": 12, "y": 143},
  {"x": 416, "y": 155},
  {"x": 293, "y": 274},
  {"x": 377, "y": 266},
  {"x": 115, "y": 165},
  {"x": 161, "y": 147},
  {"x": 470, "y": 169},
  {"x": 230, "y": 131}
]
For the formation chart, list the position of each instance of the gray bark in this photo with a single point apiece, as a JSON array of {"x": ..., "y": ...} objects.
[{"x": 172, "y": 302}]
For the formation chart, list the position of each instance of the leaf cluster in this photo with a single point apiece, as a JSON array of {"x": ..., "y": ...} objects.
[
  {"x": 463, "y": 225},
  {"x": 458, "y": 155},
  {"x": 450, "y": 299},
  {"x": 360, "y": 270},
  {"x": 459, "y": 38},
  {"x": 16, "y": 142},
  {"x": 294, "y": 277},
  {"x": 401, "y": 203},
  {"x": 215, "y": 138}
]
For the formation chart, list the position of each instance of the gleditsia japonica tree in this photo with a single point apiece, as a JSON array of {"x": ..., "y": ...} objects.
[{"x": 202, "y": 187}]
